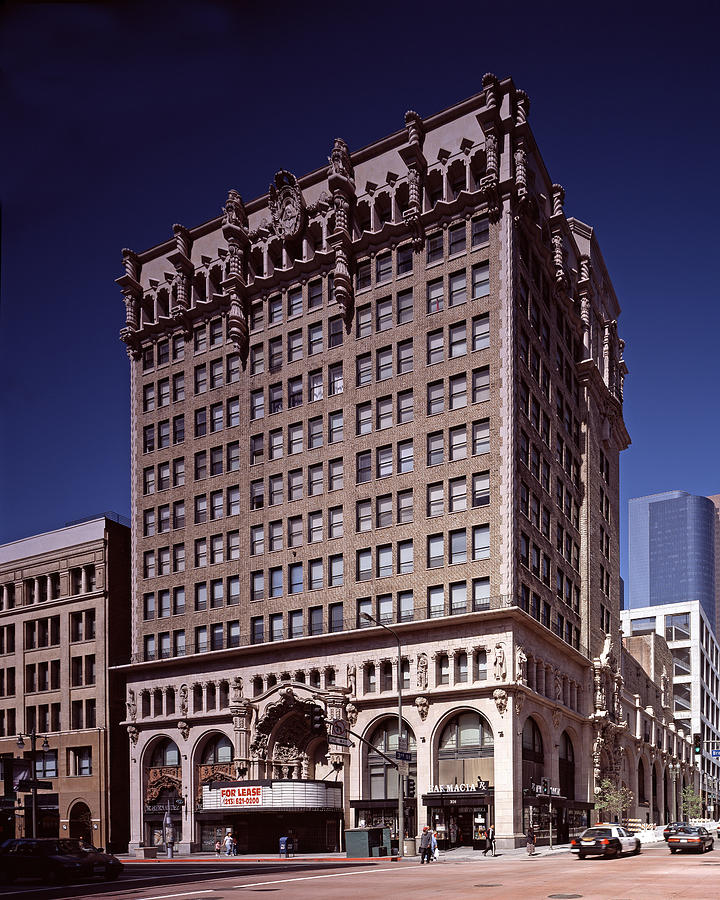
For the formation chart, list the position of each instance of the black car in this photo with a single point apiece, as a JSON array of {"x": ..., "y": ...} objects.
[
  {"x": 672, "y": 828},
  {"x": 55, "y": 860},
  {"x": 605, "y": 840},
  {"x": 691, "y": 837}
]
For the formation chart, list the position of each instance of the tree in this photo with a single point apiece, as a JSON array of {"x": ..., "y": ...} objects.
[
  {"x": 691, "y": 802},
  {"x": 612, "y": 799}
]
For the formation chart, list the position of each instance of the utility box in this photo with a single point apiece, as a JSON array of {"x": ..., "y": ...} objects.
[
  {"x": 286, "y": 846},
  {"x": 365, "y": 842}
]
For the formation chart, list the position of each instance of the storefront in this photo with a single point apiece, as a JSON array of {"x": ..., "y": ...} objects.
[
  {"x": 460, "y": 814},
  {"x": 259, "y": 813},
  {"x": 551, "y": 812},
  {"x": 384, "y": 813},
  {"x": 168, "y": 806}
]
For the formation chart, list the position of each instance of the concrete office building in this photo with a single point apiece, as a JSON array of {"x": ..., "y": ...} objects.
[
  {"x": 64, "y": 619},
  {"x": 391, "y": 387}
]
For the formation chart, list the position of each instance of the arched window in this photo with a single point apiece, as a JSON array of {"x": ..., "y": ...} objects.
[
  {"x": 165, "y": 753},
  {"x": 533, "y": 759},
  {"x": 567, "y": 767},
  {"x": 466, "y": 751},
  {"x": 383, "y": 776},
  {"x": 642, "y": 797},
  {"x": 217, "y": 750}
]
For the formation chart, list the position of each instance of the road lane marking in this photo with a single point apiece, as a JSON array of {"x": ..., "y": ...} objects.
[
  {"x": 185, "y": 894},
  {"x": 315, "y": 877}
]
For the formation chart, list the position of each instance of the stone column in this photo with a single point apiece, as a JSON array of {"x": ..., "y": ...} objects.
[
  {"x": 452, "y": 675},
  {"x": 83, "y": 580},
  {"x": 540, "y": 677}
]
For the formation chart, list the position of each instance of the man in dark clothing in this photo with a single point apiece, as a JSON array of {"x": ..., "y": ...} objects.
[
  {"x": 489, "y": 841},
  {"x": 425, "y": 845}
]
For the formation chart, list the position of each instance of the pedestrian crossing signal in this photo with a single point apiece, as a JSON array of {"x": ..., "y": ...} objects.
[{"x": 697, "y": 744}]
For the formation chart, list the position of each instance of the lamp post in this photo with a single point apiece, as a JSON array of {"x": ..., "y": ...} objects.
[
  {"x": 401, "y": 806},
  {"x": 33, "y": 757},
  {"x": 674, "y": 772}
]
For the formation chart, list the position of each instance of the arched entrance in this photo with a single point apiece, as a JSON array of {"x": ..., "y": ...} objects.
[
  {"x": 80, "y": 823},
  {"x": 162, "y": 789},
  {"x": 464, "y": 806},
  {"x": 566, "y": 770},
  {"x": 214, "y": 763}
]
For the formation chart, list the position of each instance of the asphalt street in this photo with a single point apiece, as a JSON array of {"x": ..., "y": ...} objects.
[{"x": 655, "y": 873}]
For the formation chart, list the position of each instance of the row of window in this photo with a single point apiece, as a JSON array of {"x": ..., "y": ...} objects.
[
  {"x": 314, "y": 575},
  {"x": 295, "y": 345},
  {"x": 45, "y": 676},
  {"x": 45, "y": 717},
  {"x": 297, "y": 483},
  {"x": 454, "y": 498},
  {"x": 41, "y": 588},
  {"x": 297, "y": 530},
  {"x": 456, "y": 396},
  {"x": 539, "y": 563},
  {"x": 7, "y": 681},
  {"x": 541, "y": 610},
  {"x": 293, "y": 391}
]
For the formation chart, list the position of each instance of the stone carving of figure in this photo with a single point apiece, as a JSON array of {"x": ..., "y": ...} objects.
[
  {"x": 520, "y": 666},
  {"x": 500, "y": 697},
  {"x": 351, "y": 712},
  {"x": 133, "y": 733},
  {"x": 606, "y": 650},
  {"x": 422, "y": 704},
  {"x": 184, "y": 729},
  {"x": 664, "y": 683},
  {"x": 499, "y": 663},
  {"x": 422, "y": 672},
  {"x": 351, "y": 679},
  {"x": 183, "y": 700},
  {"x": 131, "y": 705},
  {"x": 237, "y": 689},
  {"x": 558, "y": 687}
]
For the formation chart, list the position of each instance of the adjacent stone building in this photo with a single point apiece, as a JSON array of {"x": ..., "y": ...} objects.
[
  {"x": 64, "y": 620},
  {"x": 391, "y": 388}
]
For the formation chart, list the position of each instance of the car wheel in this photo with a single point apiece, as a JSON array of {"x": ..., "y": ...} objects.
[
  {"x": 581, "y": 855},
  {"x": 111, "y": 874},
  {"x": 636, "y": 851},
  {"x": 673, "y": 849}
]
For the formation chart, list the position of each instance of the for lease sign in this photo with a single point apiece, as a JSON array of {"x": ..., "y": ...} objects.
[{"x": 241, "y": 796}]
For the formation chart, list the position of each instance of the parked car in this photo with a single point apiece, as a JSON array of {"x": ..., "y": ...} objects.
[
  {"x": 691, "y": 837},
  {"x": 672, "y": 828},
  {"x": 55, "y": 860},
  {"x": 605, "y": 840}
]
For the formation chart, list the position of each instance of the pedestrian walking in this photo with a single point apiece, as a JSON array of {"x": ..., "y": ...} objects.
[
  {"x": 228, "y": 844},
  {"x": 218, "y": 847},
  {"x": 425, "y": 845},
  {"x": 234, "y": 845},
  {"x": 531, "y": 840},
  {"x": 434, "y": 855},
  {"x": 489, "y": 841}
]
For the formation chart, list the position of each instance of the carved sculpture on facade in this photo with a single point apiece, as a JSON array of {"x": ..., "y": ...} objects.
[
  {"x": 422, "y": 704},
  {"x": 184, "y": 729},
  {"x": 237, "y": 689},
  {"x": 491, "y": 86},
  {"x": 351, "y": 713},
  {"x": 501, "y": 700},
  {"x": 131, "y": 705},
  {"x": 234, "y": 210},
  {"x": 339, "y": 160},
  {"x": 520, "y": 666},
  {"x": 562, "y": 282},
  {"x": 558, "y": 687},
  {"x": 422, "y": 672},
  {"x": 558, "y": 199},
  {"x": 522, "y": 107},
  {"x": 352, "y": 679},
  {"x": 499, "y": 667},
  {"x": 183, "y": 700},
  {"x": 519, "y": 702},
  {"x": 133, "y": 733},
  {"x": 287, "y": 206},
  {"x": 556, "y": 718}
]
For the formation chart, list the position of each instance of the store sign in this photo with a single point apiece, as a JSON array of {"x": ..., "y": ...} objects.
[
  {"x": 159, "y": 807},
  {"x": 241, "y": 796},
  {"x": 480, "y": 787}
]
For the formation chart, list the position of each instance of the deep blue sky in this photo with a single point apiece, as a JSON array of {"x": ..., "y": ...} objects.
[{"x": 118, "y": 122}]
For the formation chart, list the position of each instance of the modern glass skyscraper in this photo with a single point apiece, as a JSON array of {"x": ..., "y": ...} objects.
[{"x": 671, "y": 540}]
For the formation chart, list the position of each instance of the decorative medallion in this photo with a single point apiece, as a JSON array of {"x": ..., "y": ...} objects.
[{"x": 287, "y": 206}]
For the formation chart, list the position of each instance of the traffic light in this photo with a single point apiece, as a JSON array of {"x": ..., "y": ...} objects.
[
  {"x": 410, "y": 792},
  {"x": 545, "y": 785},
  {"x": 317, "y": 720},
  {"x": 697, "y": 744}
]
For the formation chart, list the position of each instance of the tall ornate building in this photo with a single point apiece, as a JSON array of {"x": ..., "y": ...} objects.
[{"x": 391, "y": 388}]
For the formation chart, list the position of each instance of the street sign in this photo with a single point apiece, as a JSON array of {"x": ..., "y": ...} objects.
[
  {"x": 401, "y": 754},
  {"x": 715, "y": 751},
  {"x": 403, "y": 768},
  {"x": 403, "y": 742},
  {"x": 28, "y": 784},
  {"x": 339, "y": 741}
]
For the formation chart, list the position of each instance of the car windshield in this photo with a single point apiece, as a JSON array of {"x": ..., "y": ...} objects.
[
  {"x": 688, "y": 829},
  {"x": 65, "y": 847}
]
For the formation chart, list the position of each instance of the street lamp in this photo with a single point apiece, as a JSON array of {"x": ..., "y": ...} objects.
[
  {"x": 675, "y": 769},
  {"x": 33, "y": 782},
  {"x": 401, "y": 806}
]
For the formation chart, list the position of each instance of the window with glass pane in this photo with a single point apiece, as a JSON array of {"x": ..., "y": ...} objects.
[
  {"x": 362, "y": 277},
  {"x": 314, "y": 294},
  {"x": 257, "y": 585},
  {"x": 216, "y": 373},
  {"x": 406, "y": 607},
  {"x": 363, "y": 515},
  {"x": 363, "y": 565},
  {"x": 435, "y": 296},
  {"x": 295, "y": 302},
  {"x": 405, "y": 407},
  {"x": 406, "y": 458},
  {"x": 363, "y": 321},
  {"x": 295, "y": 484},
  {"x": 481, "y": 384},
  {"x": 458, "y": 546},
  {"x": 276, "y": 581},
  {"x": 456, "y": 238},
  {"x": 436, "y": 499},
  {"x": 457, "y": 495},
  {"x": 257, "y": 631},
  {"x": 404, "y": 260},
  {"x": 458, "y": 391},
  {"x": 364, "y": 607},
  {"x": 315, "y": 527},
  {"x": 384, "y": 462},
  {"x": 481, "y": 593},
  {"x": 435, "y": 447},
  {"x": 677, "y": 627},
  {"x": 435, "y": 398},
  {"x": 458, "y": 601},
  {"x": 315, "y": 575},
  {"x": 481, "y": 280},
  {"x": 435, "y": 347},
  {"x": 315, "y": 480},
  {"x": 335, "y": 617},
  {"x": 276, "y": 627},
  {"x": 275, "y": 490},
  {"x": 481, "y": 437},
  {"x": 276, "y": 444},
  {"x": 458, "y": 289},
  {"x": 458, "y": 339},
  {"x": 481, "y": 542},
  {"x": 383, "y": 412},
  {"x": 335, "y": 474},
  {"x": 384, "y": 560},
  {"x": 480, "y": 229},
  {"x": 295, "y": 438},
  {"x": 404, "y": 307},
  {"x": 295, "y": 533},
  {"x": 435, "y": 550},
  {"x": 405, "y": 357},
  {"x": 481, "y": 489},
  {"x": 363, "y": 467},
  {"x": 315, "y": 386},
  {"x": 335, "y": 427},
  {"x": 363, "y": 367},
  {"x": 383, "y": 315},
  {"x": 405, "y": 557},
  {"x": 434, "y": 247},
  {"x": 383, "y": 268},
  {"x": 337, "y": 570},
  {"x": 404, "y": 507},
  {"x": 295, "y": 623},
  {"x": 384, "y": 367}
]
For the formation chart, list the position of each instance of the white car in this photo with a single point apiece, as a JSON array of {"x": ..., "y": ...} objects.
[{"x": 605, "y": 840}]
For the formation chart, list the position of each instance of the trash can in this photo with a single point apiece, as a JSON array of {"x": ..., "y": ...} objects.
[{"x": 409, "y": 848}]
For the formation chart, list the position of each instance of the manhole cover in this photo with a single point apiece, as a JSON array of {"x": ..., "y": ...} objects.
[
  {"x": 564, "y": 896},
  {"x": 487, "y": 885}
]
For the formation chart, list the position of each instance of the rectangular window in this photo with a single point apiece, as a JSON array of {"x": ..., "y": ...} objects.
[
  {"x": 405, "y": 407},
  {"x": 456, "y": 238},
  {"x": 405, "y": 457},
  {"x": 481, "y": 542},
  {"x": 436, "y": 601},
  {"x": 335, "y": 332},
  {"x": 383, "y": 315},
  {"x": 335, "y": 427},
  {"x": 335, "y": 617},
  {"x": 435, "y": 296},
  {"x": 363, "y": 322},
  {"x": 481, "y": 384},
  {"x": 363, "y": 467},
  {"x": 435, "y": 398},
  {"x": 458, "y": 391},
  {"x": 383, "y": 268},
  {"x": 435, "y": 551},
  {"x": 315, "y": 433},
  {"x": 363, "y": 365},
  {"x": 481, "y": 332},
  {"x": 404, "y": 507},
  {"x": 458, "y": 546},
  {"x": 315, "y": 294},
  {"x": 363, "y": 516},
  {"x": 294, "y": 345},
  {"x": 481, "y": 593},
  {"x": 434, "y": 247},
  {"x": 481, "y": 489},
  {"x": 404, "y": 307},
  {"x": 480, "y": 230},
  {"x": 458, "y": 289},
  {"x": 481, "y": 280},
  {"x": 362, "y": 275},
  {"x": 435, "y": 447},
  {"x": 384, "y": 364},
  {"x": 435, "y": 347},
  {"x": 404, "y": 260}
]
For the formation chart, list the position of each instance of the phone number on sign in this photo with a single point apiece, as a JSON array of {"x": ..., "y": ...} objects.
[{"x": 249, "y": 796}]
